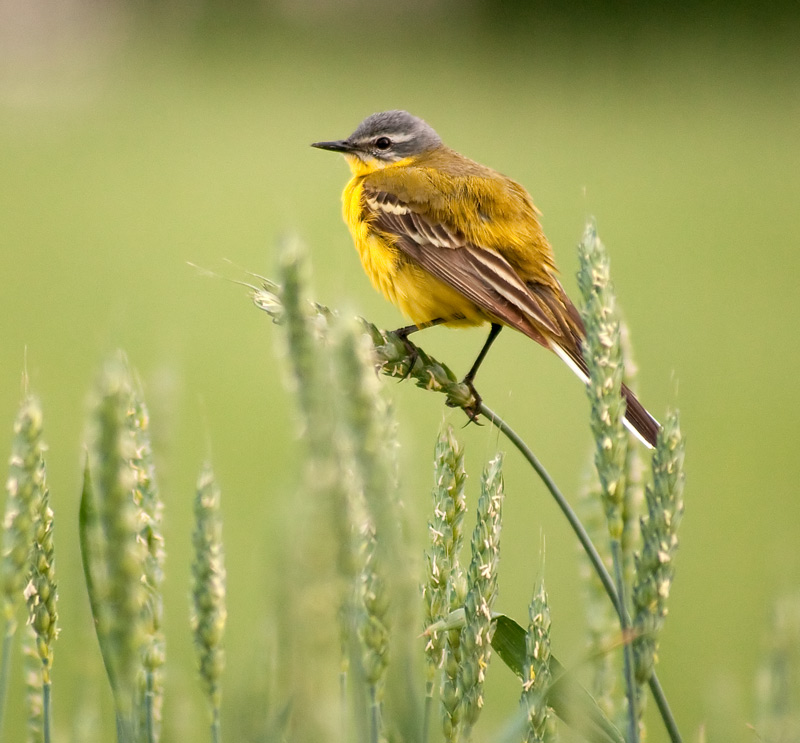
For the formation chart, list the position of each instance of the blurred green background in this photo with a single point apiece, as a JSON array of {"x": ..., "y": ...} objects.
[{"x": 134, "y": 139}]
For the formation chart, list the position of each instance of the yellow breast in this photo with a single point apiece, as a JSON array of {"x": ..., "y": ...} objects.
[{"x": 418, "y": 295}]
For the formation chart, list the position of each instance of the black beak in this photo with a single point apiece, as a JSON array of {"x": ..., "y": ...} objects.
[{"x": 339, "y": 145}]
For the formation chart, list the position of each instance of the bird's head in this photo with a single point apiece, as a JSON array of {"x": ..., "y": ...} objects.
[{"x": 384, "y": 139}]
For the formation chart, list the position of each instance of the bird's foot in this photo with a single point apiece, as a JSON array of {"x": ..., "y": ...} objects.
[
  {"x": 472, "y": 410},
  {"x": 412, "y": 351}
]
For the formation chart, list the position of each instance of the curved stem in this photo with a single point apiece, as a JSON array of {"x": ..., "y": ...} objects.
[
  {"x": 561, "y": 501},
  {"x": 589, "y": 548}
]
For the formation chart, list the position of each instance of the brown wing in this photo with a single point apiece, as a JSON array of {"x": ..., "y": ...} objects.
[{"x": 483, "y": 276}]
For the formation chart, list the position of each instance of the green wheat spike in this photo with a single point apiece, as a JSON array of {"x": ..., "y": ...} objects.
[
  {"x": 34, "y": 687},
  {"x": 209, "y": 612},
  {"x": 603, "y": 354},
  {"x": 148, "y": 499},
  {"x": 113, "y": 553},
  {"x": 42, "y": 598},
  {"x": 476, "y": 634},
  {"x": 655, "y": 567},
  {"x": 537, "y": 676},
  {"x": 25, "y": 489},
  {"x": 445, "y": 529},
  {"x": 604, "y": 361}
]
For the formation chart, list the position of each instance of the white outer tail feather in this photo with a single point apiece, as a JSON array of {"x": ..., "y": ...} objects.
[{"x": 565, "y": 357}]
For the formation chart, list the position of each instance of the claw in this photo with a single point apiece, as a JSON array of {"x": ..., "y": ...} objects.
[
  {"x": 411, "y": 349},
  {"x": 471, "y": 418},
  {"x": 472, "y": 410}
]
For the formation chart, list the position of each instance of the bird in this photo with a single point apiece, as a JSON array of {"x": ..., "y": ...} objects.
[{"x": 452, "y": 242}]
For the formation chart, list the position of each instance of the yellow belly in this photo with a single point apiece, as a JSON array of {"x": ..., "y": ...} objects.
[{"x": 417, "y": 294}]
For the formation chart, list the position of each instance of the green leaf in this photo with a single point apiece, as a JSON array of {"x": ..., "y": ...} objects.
[
  {"x": 569, "y": 700},
  {"x": 91, "y": 540}
]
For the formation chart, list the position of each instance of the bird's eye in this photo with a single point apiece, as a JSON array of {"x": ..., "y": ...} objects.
[{"x": 383, "y": 143}]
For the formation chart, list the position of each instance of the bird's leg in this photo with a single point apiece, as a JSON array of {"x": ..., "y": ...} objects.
[
  {"x": 469, "y": 379},
  {"x": 413, "y": 351}
]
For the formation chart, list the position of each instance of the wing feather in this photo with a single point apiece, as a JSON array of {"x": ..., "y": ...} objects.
[{"x": 483, "y": 276}]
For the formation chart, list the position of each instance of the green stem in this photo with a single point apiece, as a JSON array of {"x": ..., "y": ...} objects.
[
  {"x": 149, "y": 720},
  {"x": 426, "y": 712},
  {"x": 46, "y": 714},
  {"x": 591, "y": 552},
  {"x": 375, "y": 716},
  {"x": 663, "y": 708},
  {"x": 215, "y": 726},
  {"x": 125, "y": 728},
  {"x": 343, "y": 702},
  {"x": 5, "y": 665},
  {"x": 627, "y": 650}
]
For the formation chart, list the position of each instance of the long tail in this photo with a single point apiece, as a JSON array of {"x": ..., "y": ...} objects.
[
  {"x": 569, "y": 348},
  {"x": 637, "y": 420}
]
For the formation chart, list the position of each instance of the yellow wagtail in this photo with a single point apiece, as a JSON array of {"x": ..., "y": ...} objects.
[{"x": 452, "y": 242}]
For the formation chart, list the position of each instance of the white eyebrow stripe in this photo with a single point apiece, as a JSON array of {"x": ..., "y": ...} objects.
[{"x": 395, "y": 138}]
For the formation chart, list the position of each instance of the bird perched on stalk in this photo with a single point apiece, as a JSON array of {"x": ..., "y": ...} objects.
[{"x": 452, "y": 242}]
